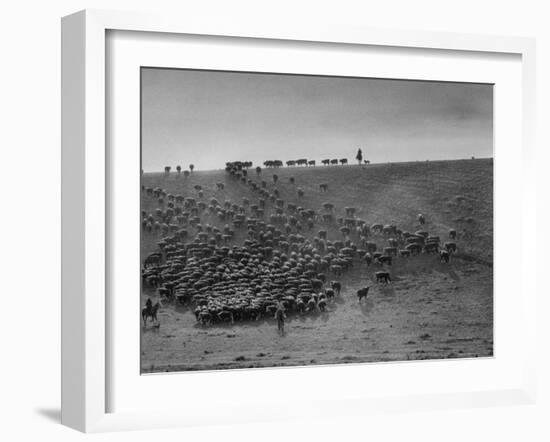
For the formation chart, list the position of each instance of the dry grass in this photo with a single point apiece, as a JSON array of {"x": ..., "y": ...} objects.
[{"x": 430, "y": 311}]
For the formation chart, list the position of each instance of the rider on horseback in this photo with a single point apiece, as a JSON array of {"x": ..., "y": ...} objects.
[
  {"x": 148, "y": 304},
  {"x": 150, "y": 311}
]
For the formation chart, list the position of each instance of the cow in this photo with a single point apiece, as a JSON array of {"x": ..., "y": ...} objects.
[
  {"x": 444, "y": 256},
  {"x": 431, "y": 247},
  {"x": 350, "y": 211},
  {"x": 382, "y": 276},
  {"x": 390, "y": 251},
  {"x": 451, "y": 247},
  {"x": 336, "y": 286},
  {"x": 385, "y": 259},
  {"x": 404, "y": 253},
  {"x": 377, "y": 228},
  {"x": 362, "y": 293},
  {"x": 152, "y": 260}
]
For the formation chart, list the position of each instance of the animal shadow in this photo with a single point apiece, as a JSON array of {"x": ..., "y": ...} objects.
[
  {"x": 150, "y": 328},
  {"x": 366, "y": 306},
  {"x": 448, "y": 270}
]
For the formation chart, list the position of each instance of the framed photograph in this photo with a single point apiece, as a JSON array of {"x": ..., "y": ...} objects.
[{"x": 321, "y": 212}]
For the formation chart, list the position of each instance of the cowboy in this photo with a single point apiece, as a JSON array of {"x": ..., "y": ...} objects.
[{"x": 280, "y": 315}]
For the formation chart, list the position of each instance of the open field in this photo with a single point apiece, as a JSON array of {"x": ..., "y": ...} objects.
[{"x": 431, "y": 310}]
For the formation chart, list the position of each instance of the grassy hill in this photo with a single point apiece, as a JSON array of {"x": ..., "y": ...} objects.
[
  {"x": 451, "y": 304},
  {"x": 451, "y": 194}
]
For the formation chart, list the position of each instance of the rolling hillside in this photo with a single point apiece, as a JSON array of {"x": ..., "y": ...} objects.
[{"x": 452, "y": 304}]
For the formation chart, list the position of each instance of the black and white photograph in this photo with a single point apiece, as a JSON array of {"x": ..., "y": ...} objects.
[
  {"x": 243, "y": 221},
  {"x": 301, "y": 220}
]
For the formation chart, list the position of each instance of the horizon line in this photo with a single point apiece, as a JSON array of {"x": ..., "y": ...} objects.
[{"x": 284, "y": 166}]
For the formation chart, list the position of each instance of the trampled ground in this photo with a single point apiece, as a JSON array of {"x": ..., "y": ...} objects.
[{"x": 431, "y": 310}]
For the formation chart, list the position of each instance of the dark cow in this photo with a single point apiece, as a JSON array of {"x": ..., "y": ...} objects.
[
  {"x": 414, "y": 248},
  {"x": 451, "y": 247},
  {"x": 444, "y": 256},
  {"x": 152, "y": 259},
  {"x": 336, "y": 286},
  {"x": 362, "y": 293},
  {"x": 383, "y": 277},
  {"x": 431, "y": 247}
]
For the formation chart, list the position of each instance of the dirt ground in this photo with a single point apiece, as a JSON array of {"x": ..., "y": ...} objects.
[{"x": 430, "y": 311}]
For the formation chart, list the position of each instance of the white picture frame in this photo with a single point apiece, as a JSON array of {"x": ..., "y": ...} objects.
[{"x": 85, "y": 198}]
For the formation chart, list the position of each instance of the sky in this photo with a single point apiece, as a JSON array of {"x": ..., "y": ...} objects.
[{"x": 208, "y": 118}]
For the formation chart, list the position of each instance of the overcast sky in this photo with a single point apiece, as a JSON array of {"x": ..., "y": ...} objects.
[{"x": 208, "y": 118}]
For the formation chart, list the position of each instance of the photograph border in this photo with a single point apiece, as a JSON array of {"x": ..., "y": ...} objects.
[{"x": 84, "y": 194}]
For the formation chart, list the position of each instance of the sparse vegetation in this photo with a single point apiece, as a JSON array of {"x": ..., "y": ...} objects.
[{"x": 452, "y": 196}]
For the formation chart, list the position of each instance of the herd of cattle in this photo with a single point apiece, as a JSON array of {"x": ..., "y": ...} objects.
[{"x": 199, "y": 264}]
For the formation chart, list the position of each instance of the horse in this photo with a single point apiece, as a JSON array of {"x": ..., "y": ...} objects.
[
  {"x": 204, "y": 317},
  {"x": 150, "y": 312}
]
